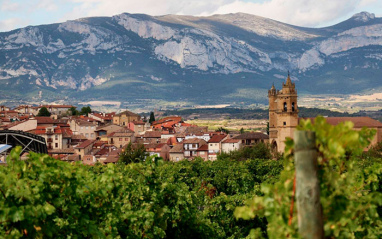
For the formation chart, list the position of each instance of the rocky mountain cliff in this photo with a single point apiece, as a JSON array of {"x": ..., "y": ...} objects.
[{"x": 217, "y": 59}]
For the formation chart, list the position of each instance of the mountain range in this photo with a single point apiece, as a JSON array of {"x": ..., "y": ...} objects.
[{"x": 220, "y": 59}]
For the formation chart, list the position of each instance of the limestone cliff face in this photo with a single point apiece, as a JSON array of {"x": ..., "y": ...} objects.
[{"x": 94, "y": 52}]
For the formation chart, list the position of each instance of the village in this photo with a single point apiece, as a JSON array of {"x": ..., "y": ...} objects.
[{"x": 101, "y": 137}]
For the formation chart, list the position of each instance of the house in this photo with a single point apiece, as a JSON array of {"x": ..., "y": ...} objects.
[
  {"x": 26, "y": 125},
  {"x": 152, "y": 137},
  {"x": 138, "y": 126},
  {"x": 23, "y": 109},
  {"x": 103, "y": 118},
  {"x": 202, "y": 152},
  {"x": 10, "y": 113},
  {"x": 214, "y": 145},
  {"x": 83, "y": 127},
  {"x": 191, "y": 146},
  {"x": 52, "y": 135},
  {"x": 84, "y": 148},
  {"x": 89, "y": 159},
  {"x": 159, "y": 150},
  {"x": 66, "y": 137},
  {"x": 229, "y": 145},
  {"x": 112, "y": 157},
  {"x": 121, "y": 138},
  {"x": 53, "y": 109},
  {"x": 103, "y": 131},
  {"x": 125, "y": 117},
  {"x": 177, "y": 153},
  {"x": 44, "y": 121},
  {"x": 251, "y": 138}
]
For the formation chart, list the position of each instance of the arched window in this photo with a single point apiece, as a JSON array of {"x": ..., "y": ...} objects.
[
  {"x": 285, "y": 106},
  {"x": 292, "y": 106}
]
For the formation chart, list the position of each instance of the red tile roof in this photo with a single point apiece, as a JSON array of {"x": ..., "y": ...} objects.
[
  {"x": 152, "y": 134},
  {"x": 42, "y": 130},
  {"x": 44, "y": 120},
  {"x": 252, "y": 135},
  {"x": 359, "y": 122},
  {"x": 166, "y": 119},
  {"x": 217, "y": 138},
  {"x": 203, "y": 148},
  {"x": 85, "y": 144},
  {"x": 138, "y": 122},
  {"x": 177, "y": 149},
  {"x": 231, "y": 141},
  {"x": 194, "y": 141},
  {"x": 66, "y": 132}
]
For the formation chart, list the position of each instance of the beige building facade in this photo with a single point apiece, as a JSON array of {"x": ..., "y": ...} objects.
[{"x": 283, "y": 114}]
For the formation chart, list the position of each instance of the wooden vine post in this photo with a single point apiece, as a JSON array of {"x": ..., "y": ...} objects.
[{"x": 309, "y": 209}]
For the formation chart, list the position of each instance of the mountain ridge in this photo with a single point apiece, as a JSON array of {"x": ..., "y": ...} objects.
[{"x": 171, "y": 58}]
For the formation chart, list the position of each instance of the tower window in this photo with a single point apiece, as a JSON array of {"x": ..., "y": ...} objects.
[
  {"x": 285, "y": 106},
  {"x": 292, "y": 106}
]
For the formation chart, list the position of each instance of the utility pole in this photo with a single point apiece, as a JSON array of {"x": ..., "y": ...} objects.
[{"x": 309, "y": 209}]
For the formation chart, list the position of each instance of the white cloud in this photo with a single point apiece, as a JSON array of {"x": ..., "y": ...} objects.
[
  {"x": 11, "y": 24},
  {"x": 296, "y": 12},
  {"x": 310, "y": 13},
  {"x": 7, "y": 5},
  {"x": 47, "y": 5}
]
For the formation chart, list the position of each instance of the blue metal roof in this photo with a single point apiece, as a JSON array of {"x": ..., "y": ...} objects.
[{"x": 4, "y": 147}]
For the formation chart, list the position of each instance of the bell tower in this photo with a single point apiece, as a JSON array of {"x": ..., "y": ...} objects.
[{"x": 283, "y": 113}]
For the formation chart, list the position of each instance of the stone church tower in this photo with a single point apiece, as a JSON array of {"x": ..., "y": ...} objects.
[{"x": 283, "y": 114}]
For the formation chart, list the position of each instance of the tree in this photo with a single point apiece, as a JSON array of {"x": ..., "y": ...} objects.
[
  {"x": 86, "y": 110},
  {"x": 242, "y": 131},
  {"x": 73, "y": 111},
  {"x": 152, "y": 117},
  {"x": 223, "y": 130},
  {"x": 43, "y": 112},
  {"x": 133, "y": 154}
]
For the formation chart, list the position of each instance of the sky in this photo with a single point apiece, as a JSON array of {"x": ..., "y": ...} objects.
[{"x": 309, "y": 13}]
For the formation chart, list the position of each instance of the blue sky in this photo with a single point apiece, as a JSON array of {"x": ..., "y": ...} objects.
[{"x": 310, "y": 13}]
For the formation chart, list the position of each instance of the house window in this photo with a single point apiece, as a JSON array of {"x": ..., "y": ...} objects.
[
  {"x": 194, "y": 145},
  {"x": 202, "y": 153},
  {"x": 285, "y": 106},
  {"x": 87, "y": 135},
  {"x": 82, "y": 127},
  {"x": 284, "y": 123},
  {"x": 56, "y": 145},
  {"x": 120, "y": 139},
  {"x": 92, "y": 135},
  {"x": 126, "y": 139},
  {"x": 211, "y": 145},
  {"x": 292, "y": 106},
  {"x": 87, "y": 127},
  {"x": 56, "y": 137}
]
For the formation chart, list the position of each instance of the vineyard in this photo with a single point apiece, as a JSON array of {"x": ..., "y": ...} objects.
[{"x": 227, "y": 198}]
